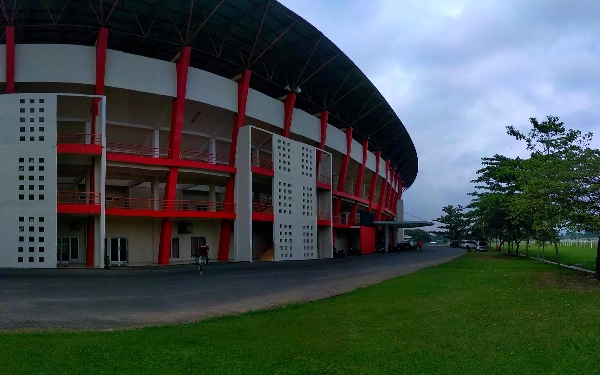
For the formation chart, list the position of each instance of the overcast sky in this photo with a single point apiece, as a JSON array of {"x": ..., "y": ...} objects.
[{"x": 457, "y": 72}]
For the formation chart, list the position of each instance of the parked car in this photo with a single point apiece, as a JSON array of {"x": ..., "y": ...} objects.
[
  {"x": 468, "y": 245},
  {"x": 455, "y": 243},
  {"x": 407, "y": 245},
  {"x": 482, "y": 246}
]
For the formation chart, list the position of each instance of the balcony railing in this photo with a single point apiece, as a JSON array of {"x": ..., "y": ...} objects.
[
  {"x": 324, "y": 179},
  {"x": 172, "y": 205},
  {"x": 345, "y": 219},
  {"x": 137, "y": 150},
  {"x": 262, "y": 163},
  {"x": 74, "y": 197},
  {"x": 323, "y": 216},
  {"x": 205, "y": 157},
  {"x": 262, "y": 208},
  {"x": 79, "y": 138}
]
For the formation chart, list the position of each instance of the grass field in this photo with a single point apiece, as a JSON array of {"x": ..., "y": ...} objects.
[
  {"x": 581, "y": 256},
  {"x": 488, "y": 313}
]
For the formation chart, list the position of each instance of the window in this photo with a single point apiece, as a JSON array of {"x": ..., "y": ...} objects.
[{"x": 175, "y": 247}]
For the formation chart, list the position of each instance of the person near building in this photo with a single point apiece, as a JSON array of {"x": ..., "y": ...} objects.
[{"x": 420, "y": 245}]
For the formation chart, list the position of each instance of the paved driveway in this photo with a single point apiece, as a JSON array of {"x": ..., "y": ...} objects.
[{"x": 137, "y": 296}]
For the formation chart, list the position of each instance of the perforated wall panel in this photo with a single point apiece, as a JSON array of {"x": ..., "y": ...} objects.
[
  {"x": 28, "y": 175},
  {"x": 294, "y": 200}
]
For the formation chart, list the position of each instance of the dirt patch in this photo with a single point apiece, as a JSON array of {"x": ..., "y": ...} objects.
[{"x": 572, "y": 282}]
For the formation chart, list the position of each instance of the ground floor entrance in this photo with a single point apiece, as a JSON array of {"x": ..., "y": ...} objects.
[
  {"x": 67, "y": 250},
  {"x": 118, "y": 250}
]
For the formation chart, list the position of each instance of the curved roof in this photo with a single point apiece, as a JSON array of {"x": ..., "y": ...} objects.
[{"x": 283, "y": 51}]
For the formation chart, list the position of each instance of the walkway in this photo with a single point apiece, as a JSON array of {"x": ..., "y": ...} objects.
[{"x": 138, "y": 296}]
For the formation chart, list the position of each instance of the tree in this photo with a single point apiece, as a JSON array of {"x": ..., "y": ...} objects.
[
  {"x": 456, "y": 223},
  {"x": 493, "y": 202},
  {"x": 419, "y": 234},
  {"x": 548, "y": 178}
]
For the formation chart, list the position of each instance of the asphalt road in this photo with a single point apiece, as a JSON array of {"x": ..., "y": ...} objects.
[{"x": 139, "y": 296}]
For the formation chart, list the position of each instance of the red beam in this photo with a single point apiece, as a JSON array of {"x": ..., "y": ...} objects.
[
  {"x": 136, "y": 159},
  {"x": 361, "y": 168},
  {"x": 101, "y": 46},
  {"x": 10, "y": 60},
  {"x": 382, "y": 191},
  {"x": 76, "y": 208},
  {"x": 240, "y": 116},
  {"x": 345, "y": 161},
  {"x": 177, "y": 113},
  {"x": 323, "y": 119},
  {"x": 288, "y": 108},
  {"x": 374, "y": 180},
  {"x": 388, "y": 198},
  {"x": 76, "y": 148},
  {"x": 226, "y": 226}
]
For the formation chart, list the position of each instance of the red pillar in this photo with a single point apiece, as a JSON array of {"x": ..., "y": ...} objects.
[
  {"x": 382, "y": 191},
  {"x": 288, "y": 108},
  {"x": 238, "y": 123},
  {"x": 177, "y": 113},
  {"x": 337, "y": 204},
  {"x": 226, "y": 225},
  {"x": 101, "y": 46},
  {"x": 399, "y": 186},
  {"x": 10, "y": 59},
  {"x": 359, "y": 179},
  {"x": 240, "y": 116},
  {"x": 388, "y": 197},
  {"x": 374, "y": 180},
  {"x": 323, "y": 119}
]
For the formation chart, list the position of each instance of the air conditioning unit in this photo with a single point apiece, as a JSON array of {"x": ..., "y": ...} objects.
[{"x": 185, "y": 228}]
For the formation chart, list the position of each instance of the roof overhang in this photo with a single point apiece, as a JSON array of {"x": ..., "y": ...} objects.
[{"x": 404, "y": 224}]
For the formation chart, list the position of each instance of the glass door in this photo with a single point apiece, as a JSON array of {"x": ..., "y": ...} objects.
[
  {"x": 118, "y": 251},
  {"x": 62, "y": 250}
]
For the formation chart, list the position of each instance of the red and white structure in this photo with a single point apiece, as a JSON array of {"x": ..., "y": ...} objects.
[{"x": 135, "y": 134}]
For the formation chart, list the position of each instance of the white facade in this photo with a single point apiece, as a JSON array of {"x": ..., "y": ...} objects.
[{"x": 137, "y": 111}]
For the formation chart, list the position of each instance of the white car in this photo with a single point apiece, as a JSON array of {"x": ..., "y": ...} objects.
[
  {"x": 468, "y": 244},
  {"x": 482, "y": 246}
]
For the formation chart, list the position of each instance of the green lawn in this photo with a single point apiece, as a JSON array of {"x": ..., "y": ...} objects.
[
  {"x": 580, "y": 256},
  {"x": 487, "y": 313}
]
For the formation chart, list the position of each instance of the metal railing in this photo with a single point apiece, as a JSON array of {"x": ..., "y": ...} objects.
[
  {"x": 262, "y": 163},
  {"x": 137, "y": 150},
  {"x": 75, "y": 197},
  {"x": 324, "y": 179},
  {"x": 323, "y": 216},
  {"x": 168, "y": 205},
  {"x": 205, "y": 157},
  {"x": 79, "y": 138},
  {"x": 345, "y": 219}
]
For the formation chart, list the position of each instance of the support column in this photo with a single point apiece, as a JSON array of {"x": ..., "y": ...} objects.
[
  {"x": 91, "y": 225},
  {"x": 359, "y": 180},
  {"x": 323, "y": 119},
  {"x": 177, "y": 113},
  {"x": 288, "y": 107},
  {"x": 345, "y": 161},
  {"x": 101, "y": 46},
  {"x": 388, "y": 195},
  {"x": 238, "y": 122},
  {"x": 156, "y": 142},
  {"x": 374, "y": 180},
  {"x": 10, "y": 59},
  {"x": 212, "y": 150},
  {"x": 382, "y": 191}
]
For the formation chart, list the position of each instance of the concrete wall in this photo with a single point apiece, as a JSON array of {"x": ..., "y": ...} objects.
[{"x": 28, "y": 188}]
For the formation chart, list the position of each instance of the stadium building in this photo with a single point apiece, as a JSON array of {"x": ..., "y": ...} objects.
[{"x": 135, "y": 130}]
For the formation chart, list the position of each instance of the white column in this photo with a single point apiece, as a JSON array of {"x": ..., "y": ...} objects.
[
  {"x": 156, "y": 142},
  {"x": 212, "y": 150}
]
